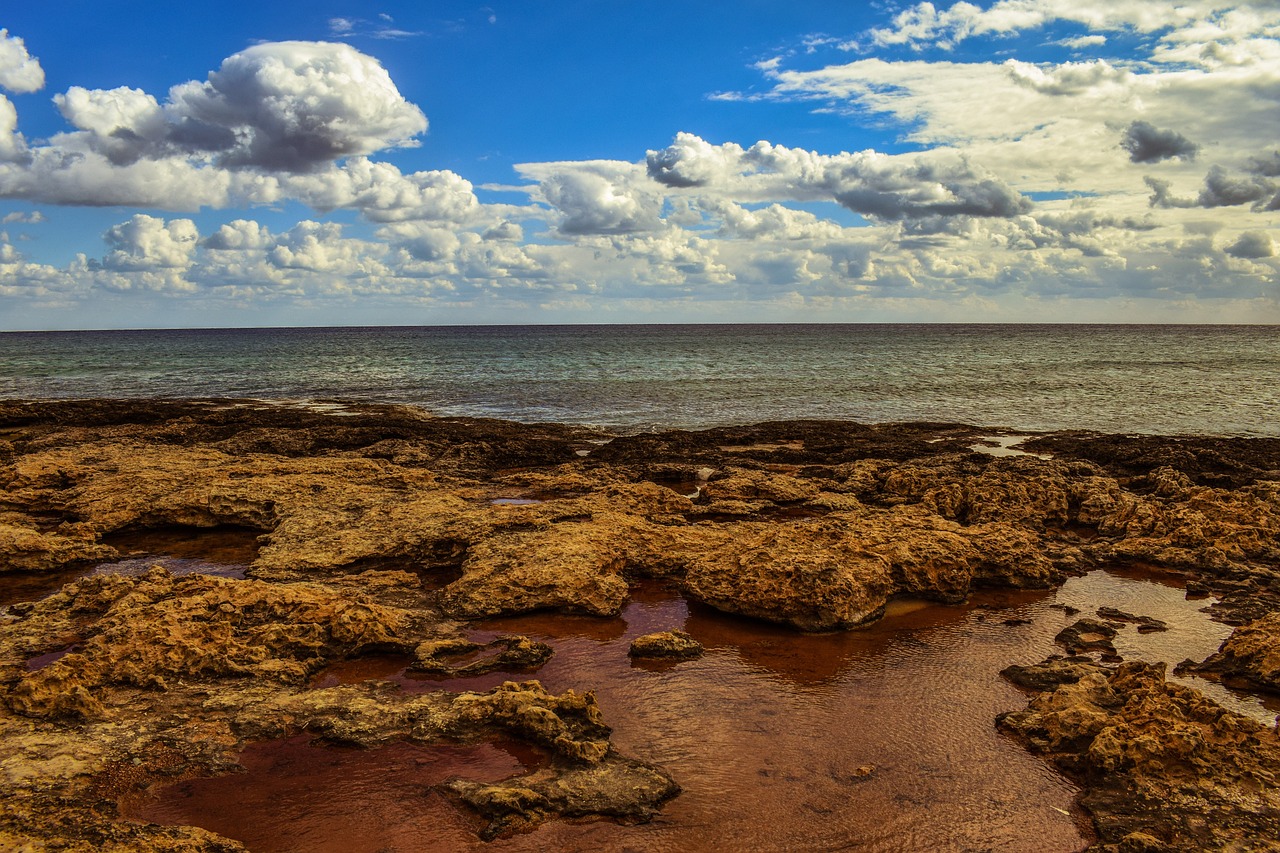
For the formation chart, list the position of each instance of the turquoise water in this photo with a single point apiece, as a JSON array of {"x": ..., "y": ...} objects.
[{"x": 1151, "y": 379}]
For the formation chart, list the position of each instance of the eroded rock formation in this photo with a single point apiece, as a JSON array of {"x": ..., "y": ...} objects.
[
  {"x": 1163, "y": 767},
  {"x": 381, "y": 529}
]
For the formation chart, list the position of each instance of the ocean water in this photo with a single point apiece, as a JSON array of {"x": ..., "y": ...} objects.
[{"x": 1136, "y": 379}]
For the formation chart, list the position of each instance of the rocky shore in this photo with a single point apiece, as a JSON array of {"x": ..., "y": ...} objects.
[{"x": 380, "y": 529}]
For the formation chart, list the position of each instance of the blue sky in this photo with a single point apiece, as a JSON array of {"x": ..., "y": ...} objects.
[{"x": 332, "y": 163}]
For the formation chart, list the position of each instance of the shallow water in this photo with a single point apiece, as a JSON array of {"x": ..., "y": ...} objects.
[
  {"x": 772, "y": 732},
  {"x": 315, "y": 799},
  {"x": 221, "y": 551}
]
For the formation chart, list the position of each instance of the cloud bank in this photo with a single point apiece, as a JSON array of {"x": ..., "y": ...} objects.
[{"x": 1093, "y": 188}]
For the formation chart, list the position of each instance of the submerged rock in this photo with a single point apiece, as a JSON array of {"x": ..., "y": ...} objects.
[
  {"x": 675, "y": 645},
  {"x": 456, "y": 656},
  {"x": 1146, "y": 624},
  {"x": 1087, "y": 635}
]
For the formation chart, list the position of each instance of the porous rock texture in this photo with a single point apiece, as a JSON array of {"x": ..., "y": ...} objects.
[
  {"x": 1163, "y": 767},
  {"x": 1250, "y": 656},
  {"x": 382, "y": 529}
]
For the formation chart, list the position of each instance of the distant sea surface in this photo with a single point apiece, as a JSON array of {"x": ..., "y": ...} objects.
[{"x": 1222, "y": 380}]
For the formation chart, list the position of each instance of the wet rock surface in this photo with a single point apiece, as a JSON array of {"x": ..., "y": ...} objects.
[
  {"x": 1251, "y": 655},
  {"x": 1163, "y": 767},
  {"x": 383, "y": 530},
  {"x": 670, "y": 645},
  {"x": 1088, "y": 635}
]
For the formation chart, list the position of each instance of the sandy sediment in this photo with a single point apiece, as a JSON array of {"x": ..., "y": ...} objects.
[{"x": 381, "y": 529}]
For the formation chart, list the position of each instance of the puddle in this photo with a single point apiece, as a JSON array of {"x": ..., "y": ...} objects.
[
  {"x": 297, "y": 795},
  {"x": 515, "y": 502},
  {"x": 881, "y": 739},
  {"x": 1003, "y": 445},
  {"x": 41, "y": 661},
  {"x": 223, "y": 551},
  {"x": 33, "y": 586}
]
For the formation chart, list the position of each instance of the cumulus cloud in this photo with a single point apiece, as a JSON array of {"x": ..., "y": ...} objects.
[
  {"x": 689, "y": 161},
  {"x": 1147, "y": 143},
  {"x": 383, "y": 194},
  {"x": 27, "y": 218},
  {"x": 271, "y": 114},
  {"x": 238, "y": 236},
  {"x": 890, "y": 187},
  {"x": 19, "y": 70},
  {"x": 1252, "y": 245},
  {"x": 13, "y": 148},
  {"x": 122, "y": 124},
  {"x": 149, "y": 243},
  {"x": 287, "y": 120},
  {"x": 597, "y": 197},
  {"x": 293, "y": 106}
]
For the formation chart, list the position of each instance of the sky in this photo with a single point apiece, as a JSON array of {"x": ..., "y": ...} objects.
[{"x": 419, "y": 163}]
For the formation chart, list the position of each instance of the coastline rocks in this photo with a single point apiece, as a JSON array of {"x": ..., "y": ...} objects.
[
  {"x": 816, "y": 579},
  {"x": 1087, "y": 635},
  {"x": 615, "y": 786},
  {"x": 573, "y": 568},
  {"x": 670, "y": 645},
  {"x": 1157, "y": 761},
  {"x": 151, "y": 630},
  {"x": 378, "y": 529},
  {"x": 25, "y": 549},
  {"x": 455, "y": 656},
  {"x": 1250, "y": 656}
]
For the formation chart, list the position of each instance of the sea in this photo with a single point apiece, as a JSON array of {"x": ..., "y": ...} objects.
[{"x": 1155, "y": 379}]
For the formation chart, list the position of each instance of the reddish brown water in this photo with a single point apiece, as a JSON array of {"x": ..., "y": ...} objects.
[
  {"x": 223, "y": 551},
  {"x": 772, "y": 731},
  {"x": 311, "y": 798}
]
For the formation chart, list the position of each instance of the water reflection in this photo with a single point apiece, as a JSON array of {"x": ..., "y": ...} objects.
[
  {"x": 222, "y": 551},
  {"x": 298, "y": 795},
  {"x": 880, "y": 739}
]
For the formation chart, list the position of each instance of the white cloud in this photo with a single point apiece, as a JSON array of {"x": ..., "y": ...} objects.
[
  {"x": 293, "y": 106},
  {"x": 879, "y": 185},
  {"x": 13, "y": 148},
  {"x": 383, "y": 194},
  {"x": 19, "y": 70},
  {"x": 148, "y": 243},
  {"x": 597, "y": 197},
  {"x": 122, "y": 124},
  {"x": 1080, "y": 42},
  {"x": 925, "y": 23},
  {"x": 33, "y": 217},
  {"x": 1069, "y": 78}
]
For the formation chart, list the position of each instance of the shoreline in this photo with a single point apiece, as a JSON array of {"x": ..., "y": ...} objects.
[{"x": 383, "y": 528}]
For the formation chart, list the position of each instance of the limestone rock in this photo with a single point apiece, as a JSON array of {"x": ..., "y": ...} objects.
[
  {"x": 1087, "y": 635},
  {"x": 615, "y": 786},
  {"x": 676, "y": 645},
  {"x": 150, "y": 630},
  {"x": 1251, "y": 655},
  {"x": 813, "y": 576},
  {"x": 456, "y": 656},
  {"x": 1158, "y": 759}
]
